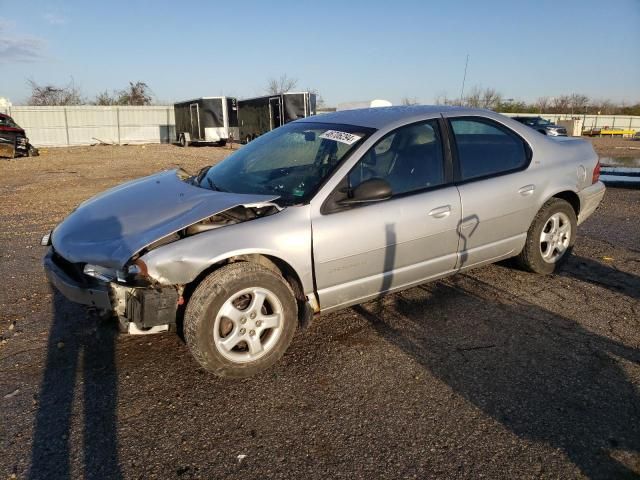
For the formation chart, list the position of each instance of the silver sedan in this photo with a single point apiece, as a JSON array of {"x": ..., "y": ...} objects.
[{"x": 321, "y": 214}]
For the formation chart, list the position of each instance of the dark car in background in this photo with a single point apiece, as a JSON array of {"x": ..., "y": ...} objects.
[
  {"x": 543, "y": 126},
  {"x": 13, "y": 140}
]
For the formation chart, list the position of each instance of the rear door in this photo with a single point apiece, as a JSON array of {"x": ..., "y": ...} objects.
[
  {"x": 499, "y": 195},
  {"x": 275, "y": 112},
  {"x": 194, "y": 113}
]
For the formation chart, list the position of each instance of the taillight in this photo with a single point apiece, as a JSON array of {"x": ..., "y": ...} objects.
[{"x": 596, "y": 173}]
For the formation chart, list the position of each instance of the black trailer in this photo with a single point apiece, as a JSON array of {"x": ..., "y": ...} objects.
[
  {"x": 206, "y": 120},
  {"x": 262, "y": 114}
]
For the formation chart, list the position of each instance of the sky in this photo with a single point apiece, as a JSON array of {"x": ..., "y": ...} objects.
[{"x": 346, "y": 50}]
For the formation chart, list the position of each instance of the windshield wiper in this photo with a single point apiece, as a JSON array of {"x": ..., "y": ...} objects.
[{"x": 212, "y": 185}]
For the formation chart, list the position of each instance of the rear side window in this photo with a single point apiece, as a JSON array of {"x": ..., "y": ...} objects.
[{"x": 486, "y": 148}]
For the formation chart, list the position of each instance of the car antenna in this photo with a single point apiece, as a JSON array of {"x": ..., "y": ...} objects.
[{"x": 464, "y": 77}]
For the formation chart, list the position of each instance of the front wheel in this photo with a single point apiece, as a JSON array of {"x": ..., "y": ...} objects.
[
  {"x": 32, "y": 151},
  {"x": 183, "y": 140},
  {"x": 550, "y": 238},
  {"x": 240, "y": 320}
]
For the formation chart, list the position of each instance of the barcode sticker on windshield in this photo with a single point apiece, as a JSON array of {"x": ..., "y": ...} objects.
[{"x": 343, "y": 137}]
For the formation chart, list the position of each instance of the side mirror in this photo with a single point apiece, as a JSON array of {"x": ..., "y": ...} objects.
[{"x": 372, "y": 190}]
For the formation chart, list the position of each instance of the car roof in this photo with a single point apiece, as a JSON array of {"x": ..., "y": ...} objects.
[{"x": 382, "y": 116}]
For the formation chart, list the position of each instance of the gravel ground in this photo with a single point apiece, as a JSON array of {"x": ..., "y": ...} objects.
[
  {"x": 617, "y": 147},
  {"x": 494, "y": 373}
]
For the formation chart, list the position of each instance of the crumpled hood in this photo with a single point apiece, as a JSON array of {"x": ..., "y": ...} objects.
[{"x": 111, "y": 227}]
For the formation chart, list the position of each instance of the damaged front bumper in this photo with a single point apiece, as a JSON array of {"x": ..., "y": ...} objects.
[
  {"x": 140, "y": 310},
  {"x": 94, "y": 294}
]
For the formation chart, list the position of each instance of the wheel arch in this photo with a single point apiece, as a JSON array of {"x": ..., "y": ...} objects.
[
  {"x": 271, "y": 262},
  {"x": 570, "y": 197}
]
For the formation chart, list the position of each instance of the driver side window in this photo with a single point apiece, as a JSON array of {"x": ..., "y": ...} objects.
[{"x": 409, "y": 159}]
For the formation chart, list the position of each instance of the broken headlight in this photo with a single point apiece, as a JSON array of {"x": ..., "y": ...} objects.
[
  {"x": 101, "y": 273},
  {"x": 135, "y": 274}
]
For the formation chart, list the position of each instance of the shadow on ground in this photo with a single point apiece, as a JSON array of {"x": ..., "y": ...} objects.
[
  {"x": 541, "y": 375},
  {"x": 607, "y": 276},
  {"x": 80, "y": 367}
]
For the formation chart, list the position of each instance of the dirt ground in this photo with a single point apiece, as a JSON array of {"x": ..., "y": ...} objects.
[
  {"x": 616, "y": 147},
  {"x": 495, "y": 373}
]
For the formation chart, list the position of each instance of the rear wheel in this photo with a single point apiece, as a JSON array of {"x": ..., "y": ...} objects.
[
  {"x": 183, "y": 140},
  {"x": 240, "y": 320},
  {"x": 550, "y": 238}
]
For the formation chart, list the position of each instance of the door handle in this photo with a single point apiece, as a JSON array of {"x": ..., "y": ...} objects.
[
  {"x": 526, "y": 190},
  {"x": 440, "y": 212}
]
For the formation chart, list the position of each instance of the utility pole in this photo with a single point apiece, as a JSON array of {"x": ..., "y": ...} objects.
[{"x": 464, "y": 78}]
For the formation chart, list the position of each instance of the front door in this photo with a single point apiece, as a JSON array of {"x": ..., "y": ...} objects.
[
  {"x": 363, "y": 251},
  {"x": 275, "y": 113},
  {"x": 195, "y": 121}
]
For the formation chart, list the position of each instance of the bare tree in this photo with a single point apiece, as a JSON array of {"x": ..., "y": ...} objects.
[
  {"x": 137, "y": 93},
  {"x": 105, "y": 99},
  {"x": 604, "y": 107},
  {"x": 442, "y": 99},
  {"x": 542, "y": 104},
  {"x": 473, "y": 98},
  {"x": 578, "y": 103},
  {"x": 283, "y": 84},
  {"x": 46, "y": 95},
  {"x": 409, "y": 101},
  {"x": 490, "y": 98},
  {"x": 560, "y": 104}
]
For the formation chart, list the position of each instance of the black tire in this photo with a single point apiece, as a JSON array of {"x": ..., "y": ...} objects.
[
  {"x": 32, "y": 151},
  {"x": 222, "y": 143},
  {"x": 247, "y": 139},
  {"x": 531, "y": 257},
  {"x": 216, "y": 291},
  {"x": 182, "y": 140}
]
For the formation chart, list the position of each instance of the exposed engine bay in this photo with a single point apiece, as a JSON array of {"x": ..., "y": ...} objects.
[{"x": 232, "y": 216}]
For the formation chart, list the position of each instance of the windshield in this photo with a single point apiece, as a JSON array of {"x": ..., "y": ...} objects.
[
  {"x": 291, "y": 161},
  {"x": 8, "y": 121}
]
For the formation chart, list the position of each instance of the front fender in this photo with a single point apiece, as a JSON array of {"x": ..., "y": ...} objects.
[{"x": 285, "y": 235}]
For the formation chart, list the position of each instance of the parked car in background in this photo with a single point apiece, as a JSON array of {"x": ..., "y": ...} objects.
[
  {"x": 543, "y": 126},
  {"x": 13, "y": 139},
  {"x": 636, "y": 136},
  {"x": 317, "y": 215}
]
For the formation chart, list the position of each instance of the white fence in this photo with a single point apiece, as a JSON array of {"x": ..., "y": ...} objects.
[
  {"x": 85, "y": 125},
  {"x": 590, "y": 121}
]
